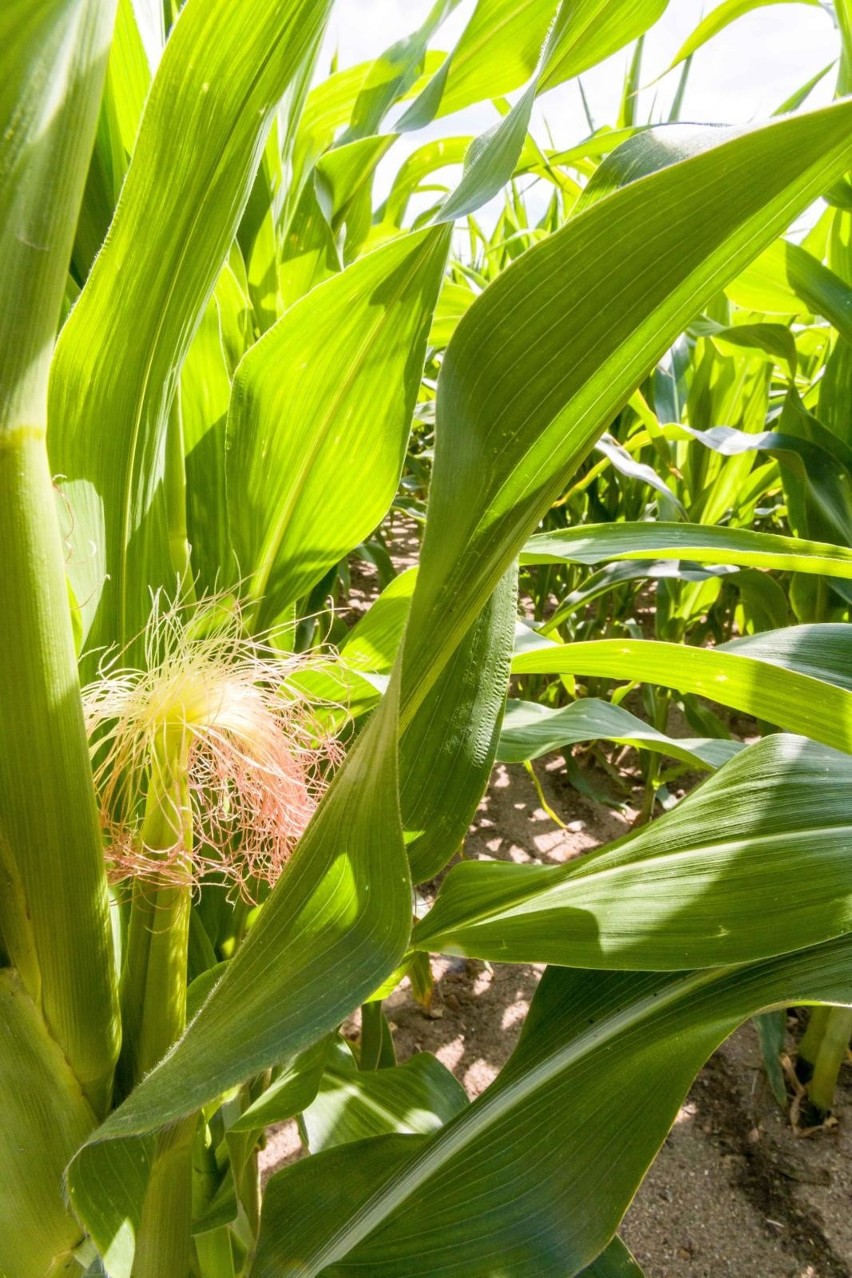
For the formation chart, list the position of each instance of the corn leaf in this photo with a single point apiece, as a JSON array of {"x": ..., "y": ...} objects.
[
  {"x": 586, "y": 33},
  {"x": 811, "y": 703},
  {"x": 372, "y": 644},
  {"x": 544, "y": 1152},
  {"x": 697, "y": 543},
  {"x": 583, "y": 33},
  {"x": 414, "y": 169},
  {"x": 127, "y": 81},
  {"x": 114, "y": 376},
  {"x": 292, "y": 1091},
  {"x": 331, "y": 386},
  {"x": 511, "y": 394},
  {"x": 498, "y": 51},
  {"x": 352, "y": 1104},
  {"x": 680, "y": 893},
  {"x": 615, "y": 1261},
  {"x": 530, "y": 730},
  {"x": 448, "y": 750},
  {"x": 205, "y": 393},
  {"x": 392, "y": 74},
  {"x": 45, "y": 1118},
  {"x": 819, "y": 651}
]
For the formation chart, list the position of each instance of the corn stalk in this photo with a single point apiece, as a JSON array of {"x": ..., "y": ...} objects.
[{"x": 53, "y": 919}]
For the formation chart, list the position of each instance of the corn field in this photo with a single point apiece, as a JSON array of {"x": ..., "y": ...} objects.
[{"x": 614, "y": 416}]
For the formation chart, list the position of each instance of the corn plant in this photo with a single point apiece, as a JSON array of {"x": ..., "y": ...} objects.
[
  {"x": 770, "y": 363},
  {"x": 223, "y": 417}
]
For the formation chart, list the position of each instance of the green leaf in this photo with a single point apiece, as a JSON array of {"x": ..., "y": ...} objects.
[
  {"x": 544, "y": 1153},
  {"x": 498, "y": 51},
  {"x": 817, "y": 474},
  {"x": 511, "y": 395},
  {"x": 328, "y": 107},
  {"x": 583, "y": 34},
  {"x": 343, "y": 172},
  {"x": 106, "y": 1187},
  {"x": 45, "y": 1118},
  {"x": 587, "y": 32},
  {"x": 681, "y": 892},
  {"x": 820, "y": 479},
  {"x": 353, "y": 683},
  {"x": 775, "y": 340},
  {"x": 452, "y": 304},
  {"x": 614, "y": 1262},
  {"x": 491, "y": 160},
  {"x": 331, "y": 385},
  {"x": 798, "y": 702},
  {"x": 781, "y": 271},
  {"x": 127, "y": 82},
  {"x": 448, "y": 750},
  {"x": 614, "y": 575},
  {"x": 799, "y": 96},
  {"x": 417, "y": 1097},
  {"x": 373, "y": 643},
  {"x": 292, "y": 1091},
  {"x": 205, "y": 393},
  {"x": 786, "y": 275},
  {"x": 763, "y": 285},
  {"x": 772, "y": 1033},
  {"x": 835, "y": 391},
  {"x": 222, "y": 74},
  {"x": 696, "y": 543},
  {"x": 597, "y": 144},
  {"x": 434, "y": 155},
  {"x": 820, "y": 651},
  {"x": 392, "y": 74},
  {"x": 310, "y": 253},
  {"x": 44, "y": 150},
  {"x": 337, "y": 193},
  {"x": 128, "y": 74},
  {"x": 622, "y": 461},
  {"x": 823, "y": 291},
  {"x": 764, "y": 601},
  {"x": 648, "y": 150},
  {"x": 531, "y": 730}
]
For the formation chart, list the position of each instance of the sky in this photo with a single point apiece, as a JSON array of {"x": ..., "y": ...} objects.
[{"x": 742, "y": 75}]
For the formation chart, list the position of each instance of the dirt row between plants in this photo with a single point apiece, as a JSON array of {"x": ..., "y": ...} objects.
[{"x": 733, "y": 1190}]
